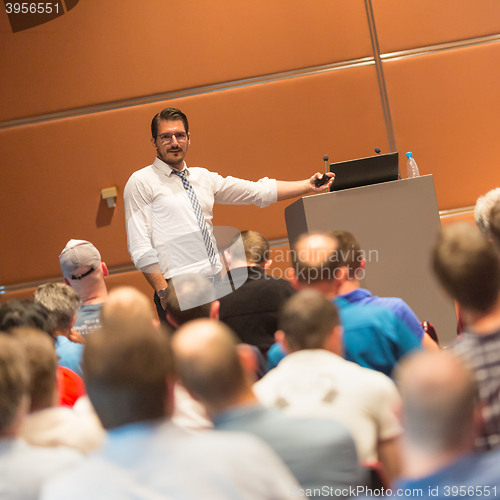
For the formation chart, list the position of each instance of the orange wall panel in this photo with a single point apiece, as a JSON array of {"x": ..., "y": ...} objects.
[
  {"x": 446, "y": 109},
  {"x": 54, "y": 171},
  {"x": 417, "y": 23},
  {"x": 114, "y": 50}
]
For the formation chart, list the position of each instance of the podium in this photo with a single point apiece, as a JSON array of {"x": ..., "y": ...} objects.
[{"x": 396, "y": 224}]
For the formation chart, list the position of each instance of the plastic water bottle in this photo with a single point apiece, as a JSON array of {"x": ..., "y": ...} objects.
[{"x": 411, "y": 166}]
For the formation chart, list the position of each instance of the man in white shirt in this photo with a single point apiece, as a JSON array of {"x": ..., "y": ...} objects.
[
  {"x": 314, "y": 380},
  {"x": 129, "y": 376},
  {"x": 169, "y": 207}
]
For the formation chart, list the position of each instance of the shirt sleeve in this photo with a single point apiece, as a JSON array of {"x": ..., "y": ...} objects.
[
  {"x": 138, "y": 199},
  {"x": 404, "y": 311},
  {"x": 230, "y": 190}
]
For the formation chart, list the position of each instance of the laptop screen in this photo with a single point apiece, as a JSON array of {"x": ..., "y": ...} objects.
[{"x": 365, "y": 171}]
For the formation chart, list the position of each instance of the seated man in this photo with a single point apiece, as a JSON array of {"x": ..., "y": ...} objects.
[
  {"x": 146, "y": 456},
  {"x": 63, "y": 304},
  {"x": 440, "y": 421},
  {"x": 374, "y": 337},
  {"x": 468, "y": 268},
  {"x": 319, "y": 452},
  {"x": 351, "y": 256},
  {"x": 48, "y": 424},
  {"x": 315, "y": 381},
  {"x": 251, "y": 310},
  {"x": 23, "y": 468}
]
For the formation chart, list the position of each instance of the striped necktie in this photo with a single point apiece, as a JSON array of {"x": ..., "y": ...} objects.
[{"x": 199, "y": 216}]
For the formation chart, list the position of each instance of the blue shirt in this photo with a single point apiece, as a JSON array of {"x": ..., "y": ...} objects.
[
  {"x": 398, "y": 306},
  {"x": 475, "y": 475},
  {"x": 319, "y": 452},
  {"x": 373, "y": 337},
  {"x": 70, "y": 354}
]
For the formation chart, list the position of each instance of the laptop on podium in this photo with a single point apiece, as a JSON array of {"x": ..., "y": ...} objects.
[{"x": 365, "y": 171}]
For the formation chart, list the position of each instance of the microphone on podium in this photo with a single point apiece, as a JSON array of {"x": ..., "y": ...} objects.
[{"x": 377, "y": 150}]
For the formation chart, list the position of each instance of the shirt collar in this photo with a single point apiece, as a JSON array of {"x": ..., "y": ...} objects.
[
  {"x": 166, "y": 168},
  {"x": 355, "y": 295}
]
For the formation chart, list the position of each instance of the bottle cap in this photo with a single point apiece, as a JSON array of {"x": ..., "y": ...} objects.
[{"x": 409, "y": 154}]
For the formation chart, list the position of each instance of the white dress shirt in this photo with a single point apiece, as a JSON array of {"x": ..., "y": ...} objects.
[{"x": 163, "y": 234}]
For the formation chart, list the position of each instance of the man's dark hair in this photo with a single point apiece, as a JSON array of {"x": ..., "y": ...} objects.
[
  {"x": 14, "y": 380},
  {"x": 315, "y": 265},
  {"x": 349, "y": 251},
  {"x": 467, "y": 266},
  {"x": 126, "y": 372},
  {"x": 255, "y": 248},
  {"x": 189, "y": 297},
  {"x": 307, "y": 319},
  {"x": 17, "y": 313},
  {"x": 168, "y": 115}
]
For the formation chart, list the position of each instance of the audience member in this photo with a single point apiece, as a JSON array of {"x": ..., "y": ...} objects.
[
  {"x": 63, "y": 304},
  {"x": 374, "y": 337},
  {"x": 351, "y": 257},
  {"x": 47, "y": 423},
  {"x": 467, "y": 266},
  {"x": 251, "y": 310},
  {"x": 319, "y": 452},
  {"x": 315, "y": 381},
  {"x": 440, "y": 423},
  {"x": 23, "y": 467},
  {"x": 126, "y": 304},
  {"x": 482, "y": 210},
  {"x": 83, "y": 271},
  {"x": 495, "y": 225},
  {"x": 146, "y": 455},
  {"x": 17, "y": 313},
  {"x": 193, "y": 297}
]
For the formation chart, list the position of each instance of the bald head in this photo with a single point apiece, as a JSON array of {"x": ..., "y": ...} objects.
[
  {"x": 438, "y": 395},
  {"x": 208, "y": 362},
  {"x": 126, "y": 305},
  {"x": 315, "y": 259}
]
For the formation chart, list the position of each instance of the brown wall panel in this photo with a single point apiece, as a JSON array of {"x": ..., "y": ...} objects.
[
  {"x": 418, "y": 23},
  {"x": 446, "y": 110},
  {"x": 113, "y": 50},
  {"x": 54, "y": 171}
]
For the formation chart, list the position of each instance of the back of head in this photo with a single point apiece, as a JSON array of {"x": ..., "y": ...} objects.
[
  {"x": 18, "y": 313},
  {"x": 189, "y": 297},
  {"x": 208, "y": 362},
  {"x": 307, "y": 319},
  {"x": 349, "y": 252},
  {"x": 79, "y": 259},
  {"x": 315, "y": 259},
  {"x": 467, "y": 267},
  {"x": 126, "y": 373},
  {"x": 254, "y": 250},
  {"x": 482, "y": 210},
  {"x": 42, "y": 362},
  {"x": 495, "y": 225},
  {"x": 61, "y": 301},
  {"x": 14, "y": 381},
  {"x": 124, "y": 305},
  {"x": 438, "y": 395}
]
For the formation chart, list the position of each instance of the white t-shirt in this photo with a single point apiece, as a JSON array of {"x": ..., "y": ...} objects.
[{"x": 318, "y": 383}]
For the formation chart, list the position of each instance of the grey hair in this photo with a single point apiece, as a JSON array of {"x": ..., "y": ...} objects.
[
  {"x": 482, "y": 210},
  {"x": 61, "y": 301}
]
